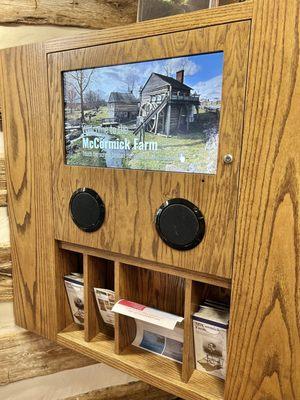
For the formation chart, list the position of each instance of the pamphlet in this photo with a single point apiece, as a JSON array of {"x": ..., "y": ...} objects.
[
  {"x": 165, "y": 342},
  {"x": 147, "y": 314},
  {"x": 156, "y": 331},
  {"x": 210, "y": 337},
  {"x": 105, "y": 301},
  {"x": 75, "y": 292}
]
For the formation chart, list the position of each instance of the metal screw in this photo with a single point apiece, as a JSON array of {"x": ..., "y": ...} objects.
[{"x": 228, "y": 158}]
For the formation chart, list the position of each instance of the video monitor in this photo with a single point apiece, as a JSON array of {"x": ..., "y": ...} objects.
[{"x": 159, "y": 115}]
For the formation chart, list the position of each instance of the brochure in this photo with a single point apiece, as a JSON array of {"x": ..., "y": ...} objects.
[
  {"x": 75, "y": 292},
  {"x": 210, "y": 337},
  {"x": 156, "y": 331},
  {"x": 165, "y": 342},
  {"x": 147, "y": 314},
  {"x": 105, "y": 301}
]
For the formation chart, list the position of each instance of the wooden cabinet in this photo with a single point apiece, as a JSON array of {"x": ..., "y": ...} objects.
[{"x": 249, "y": 254}]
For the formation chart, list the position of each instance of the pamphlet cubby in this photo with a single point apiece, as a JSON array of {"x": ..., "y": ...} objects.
[
  {"x": 98, "y": 273},
  {"x": 196, "y": 293},
  {"x": 69, "y": 261},
  {"x": 148, "y": 284},
  {"x": 152, "y": 289}
]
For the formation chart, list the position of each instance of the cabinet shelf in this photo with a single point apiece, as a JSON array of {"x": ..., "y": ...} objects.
[{"x": 153, "y": 369}]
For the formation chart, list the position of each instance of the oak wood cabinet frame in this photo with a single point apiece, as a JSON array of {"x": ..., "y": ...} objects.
[{"x": 264, "y": 343}]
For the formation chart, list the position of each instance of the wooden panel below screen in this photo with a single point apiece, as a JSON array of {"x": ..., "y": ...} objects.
[{"x": 133, "y": 197}]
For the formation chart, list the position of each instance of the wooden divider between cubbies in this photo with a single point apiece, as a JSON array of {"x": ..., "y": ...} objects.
[
  {"x": 125, "y": 328},
  {"x": 193, "y": 298},
  {"x": 97, "y": 273}
]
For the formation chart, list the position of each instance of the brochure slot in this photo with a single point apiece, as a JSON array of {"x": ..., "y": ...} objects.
[
  {"x": 69, "y": 262},
  {"x": 98, "y": 273},
  {"x": 153, "y": 289},
  {"x": 125, "y": 327},
  {"x": 195, "y": 294},
  {"x": 156, "y": 293}
]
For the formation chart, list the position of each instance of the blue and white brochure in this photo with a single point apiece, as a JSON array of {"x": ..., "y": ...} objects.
[{"x": 210, "y": 338}]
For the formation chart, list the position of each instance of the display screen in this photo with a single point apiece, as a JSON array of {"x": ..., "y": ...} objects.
[{"x": 160, "y": 115}]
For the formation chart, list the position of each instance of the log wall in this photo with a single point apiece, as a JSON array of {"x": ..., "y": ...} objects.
[{"x": 95, "y": 14}]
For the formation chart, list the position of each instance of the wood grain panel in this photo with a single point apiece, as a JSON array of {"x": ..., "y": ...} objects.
[
  {"x": 191, "y": 305},
  {"x": 96, "y": 14},
  {"x": 164, "y": 268},
  {"x": 194, "y": 20},
  {"x": 129, "y": 227},
  {"x": 28, "y": 162},
  {"x": 264, "y": 356},
  {"x": 125, "y": 327}
]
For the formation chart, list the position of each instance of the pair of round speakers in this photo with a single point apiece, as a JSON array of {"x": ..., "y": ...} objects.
[{"x": 179, "y": 223}]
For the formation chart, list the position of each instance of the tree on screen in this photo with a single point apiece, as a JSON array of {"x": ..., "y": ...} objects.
[{"x": 79, "y": 81}]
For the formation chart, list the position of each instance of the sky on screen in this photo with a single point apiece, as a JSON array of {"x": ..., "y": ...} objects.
[{"x": 203, "y": 73}]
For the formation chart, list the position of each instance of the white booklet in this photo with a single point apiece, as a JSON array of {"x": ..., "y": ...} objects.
[
  {"x": 147, "y": 314},
  {"x": 75, "y": 292}
]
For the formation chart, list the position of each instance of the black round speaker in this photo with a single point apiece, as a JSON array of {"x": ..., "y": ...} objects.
[
  {"x": 180, "y": 224},
  {"x": 87, "y": 209}
]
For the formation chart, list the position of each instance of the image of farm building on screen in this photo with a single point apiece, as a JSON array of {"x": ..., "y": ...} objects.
[{"x": 157, "y": 115}]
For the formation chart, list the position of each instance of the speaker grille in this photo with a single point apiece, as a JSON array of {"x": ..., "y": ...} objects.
[
  {"x": 180, "y": 224},
  {"x": 87, "y": 209}
]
